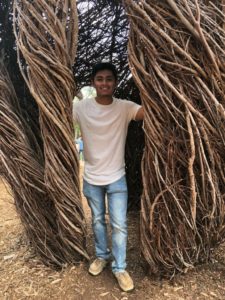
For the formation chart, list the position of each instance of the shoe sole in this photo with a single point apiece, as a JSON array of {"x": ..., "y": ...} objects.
[
  {"x": 95, "y": 274},
  {"x": 127, "y": 291}
]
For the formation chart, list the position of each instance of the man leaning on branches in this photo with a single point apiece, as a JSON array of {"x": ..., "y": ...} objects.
[{"x": 104, "y": 121}]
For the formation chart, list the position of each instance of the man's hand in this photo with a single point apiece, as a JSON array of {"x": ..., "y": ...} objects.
[{"x": 140, "y": 114}]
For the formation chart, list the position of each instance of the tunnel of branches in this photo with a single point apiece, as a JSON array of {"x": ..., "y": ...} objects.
[
  {"x": 103, "y": 36},
  {"x": 170, "y": 57}
]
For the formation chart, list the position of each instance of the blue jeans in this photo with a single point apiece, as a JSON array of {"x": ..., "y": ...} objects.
[{"x": 117, "y": 205}]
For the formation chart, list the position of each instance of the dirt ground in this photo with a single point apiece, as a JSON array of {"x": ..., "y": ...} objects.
[{"x": 22, "y": 275}]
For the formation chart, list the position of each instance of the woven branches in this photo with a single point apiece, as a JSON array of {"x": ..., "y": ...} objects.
[
  {"x": 176, "y": 55},
  {"x": 22, "y": 166},
  {"x": 46, "y": 34}
]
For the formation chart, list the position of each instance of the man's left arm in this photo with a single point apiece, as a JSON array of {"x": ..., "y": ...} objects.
[{"x": 140, "y": 114}]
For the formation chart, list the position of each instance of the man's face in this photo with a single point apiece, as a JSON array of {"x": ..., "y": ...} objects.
[{"x": 104, "y": 82}]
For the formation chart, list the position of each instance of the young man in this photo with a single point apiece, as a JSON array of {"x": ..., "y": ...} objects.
[{"x": 104, "y": 122}]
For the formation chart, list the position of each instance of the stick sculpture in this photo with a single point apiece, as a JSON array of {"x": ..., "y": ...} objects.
[
  {"x": 177, "y": 55},
  {"x": 46, "y": 34}
]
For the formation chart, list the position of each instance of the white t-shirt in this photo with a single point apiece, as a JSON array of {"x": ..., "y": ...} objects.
[{"x": 104, "y": 130}]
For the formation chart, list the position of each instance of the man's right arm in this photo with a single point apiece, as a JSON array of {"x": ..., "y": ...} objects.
[{"x": 140, "y": 114}]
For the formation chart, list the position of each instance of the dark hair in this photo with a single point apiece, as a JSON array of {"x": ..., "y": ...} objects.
[{"x": 103, "y": 66}]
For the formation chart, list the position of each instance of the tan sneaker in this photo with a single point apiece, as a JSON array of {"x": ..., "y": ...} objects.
[
  {"x": 125, "y": 281},
  {"x": 97, "y": 266}
]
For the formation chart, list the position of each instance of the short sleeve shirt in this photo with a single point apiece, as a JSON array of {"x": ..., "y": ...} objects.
[{"x": 104, "y": 130}]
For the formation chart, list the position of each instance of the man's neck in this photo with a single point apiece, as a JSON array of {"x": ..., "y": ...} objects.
[{"x": 104, "y": 100}]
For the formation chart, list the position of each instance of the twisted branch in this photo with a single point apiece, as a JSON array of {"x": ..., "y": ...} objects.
[{"x": 46, "y": 35}]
